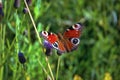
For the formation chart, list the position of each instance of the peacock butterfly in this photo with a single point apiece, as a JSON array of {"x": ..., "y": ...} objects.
[{"x": 66, "y": 42}]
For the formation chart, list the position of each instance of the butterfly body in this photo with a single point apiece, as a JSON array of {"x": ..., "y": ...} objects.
[{"x": 66, "y": 42}]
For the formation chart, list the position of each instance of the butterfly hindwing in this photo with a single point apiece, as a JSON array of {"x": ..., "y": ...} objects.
[{"x": 72, "y": 36}]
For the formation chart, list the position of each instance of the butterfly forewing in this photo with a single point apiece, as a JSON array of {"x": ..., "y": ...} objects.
[{"x": 74, "y": 31}]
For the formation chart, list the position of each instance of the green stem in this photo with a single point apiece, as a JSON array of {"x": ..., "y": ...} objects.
[
  {"x": 8, "y": 11},
  {"x": 42, "y": 67},
  {"x": 2, "y": 34},
  {"x": 50, "y": 69},
  {"x": 1, "y": 72},
  {"x": 17, "y": 37},
  {"x": 2, "y": 54},
  {"x": 58, "y": 65}
]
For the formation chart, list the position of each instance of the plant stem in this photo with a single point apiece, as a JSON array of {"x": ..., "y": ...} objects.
[
  {"x": 42, "y": 67},
  {"x": 49, "y": 68},
  {"x": 17, "y": 37},
  {"x": 58, "y": 65},
  {"x": 2, "y": 56}
]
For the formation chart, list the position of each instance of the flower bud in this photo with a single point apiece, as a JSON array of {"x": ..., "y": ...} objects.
[
  {"x": 25, "y": 10},
  {"x": 21, "y": 58},
  {"x": 17, "y": 3},
  {"x": 29, "y": 2},
  {"x": 48, "y": 48},
  {"x": 1, "y": 10}
]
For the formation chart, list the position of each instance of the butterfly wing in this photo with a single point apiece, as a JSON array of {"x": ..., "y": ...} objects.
[
  {"x": 53, "y": 40},
  {"x": 50, "y": 37},
  {"x": 72, "y": 36},
  {"x": 74, "y": 31}
]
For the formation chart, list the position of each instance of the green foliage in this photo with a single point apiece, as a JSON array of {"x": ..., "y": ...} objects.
[{"x": 97, "y": 54}]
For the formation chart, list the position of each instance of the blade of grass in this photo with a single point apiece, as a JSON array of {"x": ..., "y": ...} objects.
[
  {"x": 2, "y": 53},
  {"x": 2, "y": 50}
]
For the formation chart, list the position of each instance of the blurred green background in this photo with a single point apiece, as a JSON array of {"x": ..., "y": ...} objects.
[{"x": 98, "y": 55}]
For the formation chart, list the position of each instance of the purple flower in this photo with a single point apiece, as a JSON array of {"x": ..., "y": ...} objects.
[
  {"x": 1, "y": 10},
  {"x": 48, "y": 47},
  {"x": 17, "y": 3},
  {"x": 47, "y": 44},
  {"x": 25, "y": 10},
  {"x": 21, "y": 58},
  {"x": 29, "y": 2},
  {"x": 48, "y": 51}
]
